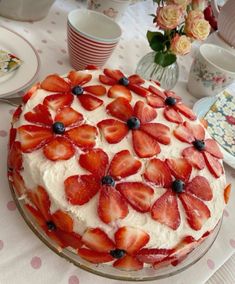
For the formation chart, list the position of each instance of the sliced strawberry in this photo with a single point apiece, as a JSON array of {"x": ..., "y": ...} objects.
[
  {"x": 128, "y": 263},
  {"x": 186, "y": 111},
  {"x": 63, "y": 221},
  {"x": 144, "y": 112},
  {"x": 157, "y": 92},
  {"x": 184, "y": 134},
  {"x": 18, "y": 183},
  {"x": 59, "y": 149},
  {"x": 53, "y": 236},
  {"x": 94, "y": 256},
  {"x": 114, "y": 74},
  {"x": 131, "y": 239},
  {"x": 55, "y": 83},
  {"x": 79, "y": 77},
  {"x": 138, "y": 194},
  {"x": 144, "y": 145},
  {"x": 37, "y": 215},
  {"x": 180, "y": 168},
  {"x": 197, "y": 130},
  {"x": 165, "y": 210},
  {"x": 107, "y": 80},
  {"x": 141, "y": 91},
  {"x": 172, "y": 115},
  {"x": 135, "y": 79},
  {"x": 200, "y": 187},
  {"x": 39, "y": 115},
  {"x": 119, "y": 91},
  {"x": 58, "y": 101},
  {"x": 123, "y": 165},
  {"x": 213, "y": 148},
  {"x": 83, "y": 136},
  {"x": 194, "y": 157},
  {"x": 17, "y": 114},
  {"x": 156, "y": 82},
  {"x": 90, "y": 102},
  {"x": 197, "y": 213},
  {"x": 158, "y": 131},
  {"x": 30, "y": 92},
  {"x": 97, "y": 90},
  {"x": 227, "y": 192},
  {"x": 172, "y": 94},
  {"x": 91, "y": 67},
  {"x": 80, "y": 189},
  {"x": 213, "y": 165},
  {"x": 70, "y": 239},
  {"x": 68, "y": 116},
  {"x": 112, "y": 206},
  {"x": 15, "y": 157},
  {"x": 120, "y": 108},
  {"x": 97, "y": 240},
  {"x": 12, "y": 137},
  {"x": 155, "y": 101},
  {"x": 113, "y": 130},
  {"x": 157, "y": 171},
  {"x": 94, "y": 161},
  {"x": 164, "y": 262},
  {"x": 33, "y": 137},
  {"x": 153, "y": 255}
]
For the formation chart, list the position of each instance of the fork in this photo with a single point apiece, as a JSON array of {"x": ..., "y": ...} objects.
[{"x": 12, "y": 101}]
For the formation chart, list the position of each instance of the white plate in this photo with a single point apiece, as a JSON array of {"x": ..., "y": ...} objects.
[
  {"x": 22, "y": 78},
  {"x": 201, "y": 107}
]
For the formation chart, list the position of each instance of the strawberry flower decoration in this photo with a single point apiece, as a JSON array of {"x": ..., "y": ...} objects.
[
  {"x": 79, "y": 189},
  {"x": 145, "y": 136},
  {"x": 174, "y": 175},
  {"x": 51, "y": 134},
  {"x": 203, "y": 151},
  {"x": 127, "y": 242}
]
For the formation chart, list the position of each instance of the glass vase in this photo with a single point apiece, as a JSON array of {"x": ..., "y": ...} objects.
[{"x": 149, "y": 70}]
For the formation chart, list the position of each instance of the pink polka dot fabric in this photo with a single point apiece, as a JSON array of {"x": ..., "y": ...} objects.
[{"x": 36, "y": 262}]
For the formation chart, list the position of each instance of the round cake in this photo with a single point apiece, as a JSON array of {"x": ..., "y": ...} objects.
[{"x": 116, "y": 169}]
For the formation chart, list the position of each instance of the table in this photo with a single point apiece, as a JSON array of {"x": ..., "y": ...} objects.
[{"x": 23, "y": 257}]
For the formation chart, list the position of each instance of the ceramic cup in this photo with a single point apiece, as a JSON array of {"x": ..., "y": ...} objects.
[
  {"x": 92, "y": 37},
  {"x": 111, "y": 8},
  {"x": 212, "y": 71}
]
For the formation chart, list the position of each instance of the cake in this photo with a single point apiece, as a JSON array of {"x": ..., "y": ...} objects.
[{"x": 116, "y": 169}]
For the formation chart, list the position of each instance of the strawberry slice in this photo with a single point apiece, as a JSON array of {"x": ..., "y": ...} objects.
[
  {"x": 144, "y": 145},
  {"x": 172, "y": 115},
  {"x": 141, "y": 91},
  {"x": 112, "y": 206},
  {"x": 186, "y": 111},
  {"x": 197, "y": 213},
  {"x": 119, "y": 91},
  {"x": 18, "y": 183},
  {"x": 80, "y": 189},
  {"x": 33, "y": 137},
  {"x": 144, "y": 112},
  {"x": 107, "y": 80},
  {"x": 165, "y": 210},
  {"x": 12, "y": 137},
  {"x": 157, "y": 171},
  {"x": 227, "y": 192},
  {"x": 94, "y": 256},
  {"x": 17, "y": 113},
  {"x": 164, "y": 262},
  {"x": 90, "y": 102},
  {"x": 155, "y": 101},
  {"x": 59, "y": 149},
  {"x": 213, "y": 165},
  {"x": 83, "y": 136},
  {"x": 180, "y": 168},
  {"x": 30, "y": 92},
  {"x": 197, "y": 130},
  {"x": 138, "y": 194},
  {"x": 114, "y": 74},
  {"x": 97, "y": 240},
  {"x": 123, "y": 165},
  {"x": 194, "y": 157},
  {"x": 63, "y": 221},
  {"x": 157, "y": 92},
  {"x": 131, "y": 239},
  {"x": 128, "y": 263},
  {"x": 39, "y": 115},
  {"x": 58, "y": 101},
  {"x": 184, "y": 134},
  {"x": 135, "y": 80},
  {"x": 213, "y": 148},
  {"x": 38, "y": 216},
  {"x": 153, "y": 255},
  {"x": 97, "y": 90},
  {"x": 91, "y": 67},
  {"x": 68, "y": 116},
  {"x": 79, "y": 77},
  {"x": 172, "y": 94},
  {"x": 15, "y": 157},
  {"x": 158, "y": 131},
  {"x": 200, "y": 187},
  {"x": 94, "y": 161},
  {"x": 113, "y": 130},
  {"x": 55, "y": 83},
  {"x": 70, "y": 239},
  {"x": 120, "y": 108}
]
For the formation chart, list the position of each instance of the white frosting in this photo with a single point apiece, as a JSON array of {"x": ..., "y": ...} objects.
[{"x": 38, "y": 170}]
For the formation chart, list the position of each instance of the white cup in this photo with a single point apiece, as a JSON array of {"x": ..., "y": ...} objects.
[{"x": 212, "y": 71}]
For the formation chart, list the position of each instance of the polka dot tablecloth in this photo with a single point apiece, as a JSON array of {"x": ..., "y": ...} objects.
[{"x": 23, "y": 257}]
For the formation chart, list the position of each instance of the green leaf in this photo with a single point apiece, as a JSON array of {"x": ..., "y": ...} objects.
[
  {"x": 165, "y": 59},
  {"x": 156, "y": 45},
  {"x": 150, "y": 35}
]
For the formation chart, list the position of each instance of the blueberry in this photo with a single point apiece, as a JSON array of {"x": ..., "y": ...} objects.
[
  {"x": 123, "y": 81},
  {"x": 77, "y": 90},
  {"x": 170, "y": 101},
  {"x": 178, "y": 186},
  {"x": 51, "y": 226},
  {"x": 117, "y": 253},
  {"x": 133, "y": 123},
  {"x": 199, "y": 144},
  {"x": 58, "y": 127},
  {"x": 108, "y": 180}
]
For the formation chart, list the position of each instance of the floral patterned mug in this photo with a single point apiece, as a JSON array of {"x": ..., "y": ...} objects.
[{"x": 212, "y": 71}]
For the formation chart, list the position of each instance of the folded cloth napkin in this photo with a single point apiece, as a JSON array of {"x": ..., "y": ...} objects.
[{"x": 8, "y": 62}]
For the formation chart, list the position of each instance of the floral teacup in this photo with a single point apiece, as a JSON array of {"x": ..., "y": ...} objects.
[{"x": 212, "y": 71}]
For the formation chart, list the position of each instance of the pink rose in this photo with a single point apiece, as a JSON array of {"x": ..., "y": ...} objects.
[
  {"x": 180, "y": 45},
  {"x": 182, "y": 3},
  {"x": 196, "y": 26},
  {"x": 169, "y": 17},
  {"x": 199, "y": 4}
]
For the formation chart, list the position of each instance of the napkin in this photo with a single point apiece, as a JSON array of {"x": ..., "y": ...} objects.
[{"x": 8, "y": 62}]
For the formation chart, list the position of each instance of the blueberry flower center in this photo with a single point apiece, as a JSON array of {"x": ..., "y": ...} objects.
[
  {"x": 51, "y": 226},
  {"x": 133, "y": 123},
  {"x": 170, "y": 101},
  {"x": 77, "y": 90},
  {"x": 123, "y": 81},
  {"x": 117, "y": 253},
  {"x": 108, "y": 180},
  {"x": 178, "y": 186},
  {"x": 199, "y": 144},
  {"x": 58, "y": 127}
]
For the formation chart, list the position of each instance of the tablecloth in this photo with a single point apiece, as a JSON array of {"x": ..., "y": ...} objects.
[{"x": 23, "y": 257}]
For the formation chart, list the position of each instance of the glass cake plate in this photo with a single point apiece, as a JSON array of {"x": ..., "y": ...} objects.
[{"x": 107, "y": 271}]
